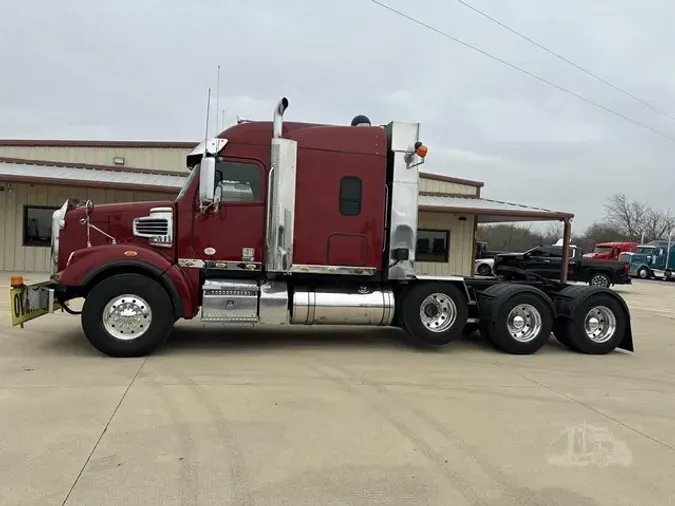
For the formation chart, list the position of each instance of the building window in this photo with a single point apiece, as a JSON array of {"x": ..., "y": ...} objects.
[
  {"x": 351, "y": 190},
  {"x": 238, "y": 181},
  {"x": 432, "y": 246},
  {"x": 37, "y": 225}
]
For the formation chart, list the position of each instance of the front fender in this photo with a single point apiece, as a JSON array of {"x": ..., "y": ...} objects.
[{"x": 88, "y": 264}]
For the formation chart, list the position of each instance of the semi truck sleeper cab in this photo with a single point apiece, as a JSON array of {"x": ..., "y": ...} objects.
[{"x": 288, "y": 223}]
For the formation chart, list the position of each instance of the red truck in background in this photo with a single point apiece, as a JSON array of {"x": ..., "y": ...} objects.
[
  {"x": 611, "y": 250},
  {"x": 288, "y": 223}
]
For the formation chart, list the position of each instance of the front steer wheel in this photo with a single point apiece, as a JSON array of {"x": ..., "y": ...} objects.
[
  {"x": 127, "y": 315},
  {"x": 433, "y": 314},
  {"x": 600, "y": 279}
]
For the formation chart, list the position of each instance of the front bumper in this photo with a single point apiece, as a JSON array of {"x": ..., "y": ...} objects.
[{"x": 28, "y": 302}]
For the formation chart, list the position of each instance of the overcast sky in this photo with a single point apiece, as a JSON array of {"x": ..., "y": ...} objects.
[{"x": 139, "y": 70}]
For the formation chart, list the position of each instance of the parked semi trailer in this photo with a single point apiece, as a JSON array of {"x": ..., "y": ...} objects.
[{"x": 324, "y": 234}]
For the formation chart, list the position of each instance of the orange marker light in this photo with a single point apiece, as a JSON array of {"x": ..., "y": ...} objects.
[
  {"x": 15, "y": 281},
  {"x": 421, "y": 150}
]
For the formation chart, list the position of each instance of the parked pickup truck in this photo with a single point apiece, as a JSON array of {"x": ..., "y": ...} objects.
[{"x": 546, "y": 261}]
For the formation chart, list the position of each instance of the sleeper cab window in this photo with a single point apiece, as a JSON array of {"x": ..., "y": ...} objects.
[
  {"x": 238, "y": 181},
  {"x": 432, "y": 245},
  {"x": 351, "y": 190}
]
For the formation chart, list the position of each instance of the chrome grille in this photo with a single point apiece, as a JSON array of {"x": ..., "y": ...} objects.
[
  {"x": 157, "y": 227},
  {"x": 152, "y": 226}
]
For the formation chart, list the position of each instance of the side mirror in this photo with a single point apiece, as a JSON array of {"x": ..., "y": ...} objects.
[{"x": 207, "y": 179}]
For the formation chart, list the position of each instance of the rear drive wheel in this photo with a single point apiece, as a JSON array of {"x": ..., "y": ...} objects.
[
  {"x": 433, "y": 314},
  {"x": 127, "y": 315},
  {"x": 600, "y": 279},
  {"x": 523, "y": 323},
  {"x": 562, "y": 335},
  {"x": 643, "y": 273},
  {"x": 599, "y": 324}
]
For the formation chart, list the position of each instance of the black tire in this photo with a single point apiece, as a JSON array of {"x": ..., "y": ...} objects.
[
  {"x": 643, "y": 273},
  {"x": 470, "y": 329},
  {"x": 485, "y": 305},
  {"x": 667, "y": 275},
  {"x": 149, "y": 294},
  {"x": 398, "y": 306},
  {"x": 576, "y": 327},
  {"x": 600, "y": 279},
  {"x": 484, "y": 270},
  {"x": 561, "y": 334},
  {"x": 504, "y": 340},
  {"x": 412, "y": 303}
]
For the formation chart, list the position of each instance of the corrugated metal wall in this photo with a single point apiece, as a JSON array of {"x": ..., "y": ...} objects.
[
  {"x": 18, "y": 258},
  {"x": 146, "y": 158},
  {"x": 435, "y": 186},
  {"x": 460, "y": 259}
]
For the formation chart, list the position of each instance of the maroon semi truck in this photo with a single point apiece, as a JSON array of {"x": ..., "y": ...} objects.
[{"x": 284, "y": 223}]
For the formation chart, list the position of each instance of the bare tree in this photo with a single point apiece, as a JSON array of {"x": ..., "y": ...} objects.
[
  {"x": 658, "y": 224},
  {"x": 626, "y": 216},
  {"x": 600, "y": 232},
  {"x": 554, "y": 231}
]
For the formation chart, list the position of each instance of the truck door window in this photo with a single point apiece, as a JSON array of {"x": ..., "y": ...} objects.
[
  {"x": 238, "y": 181},
  {"x": 351, "y": 189}
]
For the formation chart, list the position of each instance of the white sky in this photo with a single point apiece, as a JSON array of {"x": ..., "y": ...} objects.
[{"x": 139, "y": 70}]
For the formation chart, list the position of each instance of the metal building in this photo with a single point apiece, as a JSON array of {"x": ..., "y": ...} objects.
[{"x": 37, "y": 176}]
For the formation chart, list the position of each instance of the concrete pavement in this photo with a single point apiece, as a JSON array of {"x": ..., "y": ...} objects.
[{"x": 334, "y": 417}]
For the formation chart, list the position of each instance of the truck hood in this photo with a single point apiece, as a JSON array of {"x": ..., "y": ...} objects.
[
  {"x": 115, "y": 220},
  {"x": 104, "y": 212}
]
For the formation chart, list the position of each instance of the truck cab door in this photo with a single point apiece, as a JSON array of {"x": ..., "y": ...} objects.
[
  {"x": 540, "y": 262},
  {"x": 231, "y": 234}
]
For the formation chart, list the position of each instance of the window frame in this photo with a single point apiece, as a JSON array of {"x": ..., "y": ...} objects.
[
  {"x": 342, "y": 199},
  {"x": 262, "y": 172},
  {"x": 446, "y": 257},
  {"x": 24, "y": 226}
]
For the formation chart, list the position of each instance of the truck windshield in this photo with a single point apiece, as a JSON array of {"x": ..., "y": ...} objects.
[
  {"x": 602, "y": 249},
  {"x": 188, "y": 182},
  {"x": 644, "y": 249}
]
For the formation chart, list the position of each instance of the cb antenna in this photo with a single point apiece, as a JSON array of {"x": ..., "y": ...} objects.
[
  {"x": 206, "y": 130},
  {"x": 218, "y": 100}
]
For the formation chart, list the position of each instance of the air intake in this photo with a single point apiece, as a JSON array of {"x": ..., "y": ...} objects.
[{"x": 157, "y": 227}]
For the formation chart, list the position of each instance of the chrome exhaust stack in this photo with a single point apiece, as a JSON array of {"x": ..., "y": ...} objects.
[
  {"x": 279, "y": 117},
  {"x": 281, "y": 196}
]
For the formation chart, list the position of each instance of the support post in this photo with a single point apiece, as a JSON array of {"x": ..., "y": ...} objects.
[
  {"x": 473, "y": 249},
  {"x": 567, "y": 233}
]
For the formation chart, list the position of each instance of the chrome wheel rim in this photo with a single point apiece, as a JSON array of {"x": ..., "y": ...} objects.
[
  {"x": 524, "y": 323},
  {"x": 643, "y": 273},
  {"x": 438, "y": 312},
  {"x": 600, "y": 280},
  {"x": 600, "y": 324},
  {"x": 127, "y": 317}
]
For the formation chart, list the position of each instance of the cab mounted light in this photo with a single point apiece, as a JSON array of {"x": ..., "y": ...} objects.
[
  {"x": 16, "y": 281},
  {"x": 417, "y": 156}
]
